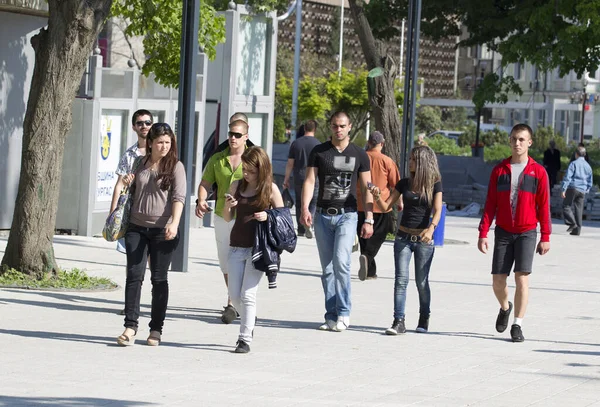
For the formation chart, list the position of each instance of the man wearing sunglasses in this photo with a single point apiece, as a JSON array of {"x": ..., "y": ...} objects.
[
  {"x": 224, "y": 167},
  {"x": 141, "y": 122}
]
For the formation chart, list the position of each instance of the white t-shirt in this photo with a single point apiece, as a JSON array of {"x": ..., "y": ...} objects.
[{"x": 515, "y": 175}]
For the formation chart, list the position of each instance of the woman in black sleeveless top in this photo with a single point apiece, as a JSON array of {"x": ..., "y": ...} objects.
[{"x": 421, "y": 193}]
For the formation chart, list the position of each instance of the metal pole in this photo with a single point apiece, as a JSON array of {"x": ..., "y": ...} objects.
[
  {"x": 185, "y": 119},
  {"x": 583, "y": 114},
  {"x": 341, "y": 40},
  {"x": 401, "y": 47},
  {"x": 405, "y": 104},
  {"x": 414, "y": 74},
  {"x": 296, "y": 69}
]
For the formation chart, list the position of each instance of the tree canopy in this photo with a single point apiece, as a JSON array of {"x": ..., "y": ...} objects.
[{"x": 159, "y": 23}]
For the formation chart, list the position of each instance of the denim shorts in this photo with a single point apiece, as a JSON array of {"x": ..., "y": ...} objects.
[{"x": 513, "y": 248}]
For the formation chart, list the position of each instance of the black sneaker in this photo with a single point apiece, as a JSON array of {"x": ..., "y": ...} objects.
[
  {"x": 516, "y": 334},
  {"x": 423, "y": 325},
  {"x": 502, "y": 320},
  {"x": 575, "y": 232},
  {"x": 242, "y": 347},
  {"x": 396, "y": 328},
  {"x": 229, "y": 314},
  {"x": 571, "y": 228}
]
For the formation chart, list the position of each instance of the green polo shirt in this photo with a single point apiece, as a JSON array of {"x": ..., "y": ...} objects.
[{"x": 218, "y": 169}]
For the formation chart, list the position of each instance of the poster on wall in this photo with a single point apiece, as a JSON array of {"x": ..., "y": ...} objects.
[{"x": 108, "y": 156}]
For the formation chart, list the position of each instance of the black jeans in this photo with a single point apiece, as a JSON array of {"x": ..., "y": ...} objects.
[
  {"x": 139, "y": 243},
  {"x": 312, "y": 206},
  {"x": 370, "y": 247},
  {"x": 574, "y": 198}
]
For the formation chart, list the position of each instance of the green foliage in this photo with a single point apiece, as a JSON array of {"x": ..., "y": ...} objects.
[
  {"x": 279, "y": 130},
  {"x": 444, "y": 145},
  {"x": 496, "y": 152},
  {"x": 542, "y": 137},
  {"x": 74, "y": 279},
  {"x": 495, "y": 90},
  {"x": 428, "y": 119},
  {"x": 454, "y": 118},
  {"x": 159, "y": 22},
  {"x": 487, "y": 138}
]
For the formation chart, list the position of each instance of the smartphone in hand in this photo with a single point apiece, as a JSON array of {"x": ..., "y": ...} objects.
[
  {"x": 370, "y": 185},
  {"x": 229, "y": 197}
]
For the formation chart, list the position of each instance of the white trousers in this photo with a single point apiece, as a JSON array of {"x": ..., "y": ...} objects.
[
  {"x": 222, "y": 236},
  {"x": 243, "y": 286}
]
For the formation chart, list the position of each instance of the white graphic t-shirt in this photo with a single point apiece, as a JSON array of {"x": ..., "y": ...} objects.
[{"x": 516, "y": 170}]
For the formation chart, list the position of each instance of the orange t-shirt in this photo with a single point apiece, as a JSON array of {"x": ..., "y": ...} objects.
[{"x": 384, "y": 175}]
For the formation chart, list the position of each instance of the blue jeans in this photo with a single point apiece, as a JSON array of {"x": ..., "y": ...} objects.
[
  {"x": 335, "y": 238},
  {"x": 403, "y": 250}
]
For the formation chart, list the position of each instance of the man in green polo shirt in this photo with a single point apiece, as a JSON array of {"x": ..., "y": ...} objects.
[{"x": 223, "y": 168}]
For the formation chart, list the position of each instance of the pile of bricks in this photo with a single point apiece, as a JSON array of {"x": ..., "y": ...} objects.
[{"x": 463, "y": 195}]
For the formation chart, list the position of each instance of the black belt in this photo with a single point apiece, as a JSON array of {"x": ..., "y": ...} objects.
[
  {"x": 412, "y": 238},
  {"x": 335, "y": 211}
]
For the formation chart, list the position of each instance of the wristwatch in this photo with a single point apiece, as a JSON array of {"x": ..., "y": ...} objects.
[{"x": 370, "y": 221}]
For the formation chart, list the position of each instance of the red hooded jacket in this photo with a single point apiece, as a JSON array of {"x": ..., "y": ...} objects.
[{"x": 533, "y": 202}]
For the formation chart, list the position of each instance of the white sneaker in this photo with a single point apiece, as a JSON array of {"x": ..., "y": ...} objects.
[
  {"x": 308, "y": 233},
  {"x": 343, "y": 323},
  {"x": 329, "y": 325}
]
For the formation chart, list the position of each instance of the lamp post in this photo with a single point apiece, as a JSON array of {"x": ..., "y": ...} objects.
[{"x": 584, "y": 98}]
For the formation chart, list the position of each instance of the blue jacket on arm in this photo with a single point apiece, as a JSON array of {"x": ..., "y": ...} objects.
[{"x": 272, "y": 237}]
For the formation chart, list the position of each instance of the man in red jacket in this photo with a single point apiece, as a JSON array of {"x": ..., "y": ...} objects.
[{"x": 519, "y": 197}]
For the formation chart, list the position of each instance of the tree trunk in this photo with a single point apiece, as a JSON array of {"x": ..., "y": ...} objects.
[
  {"x": 383, "y": 100},
  {"x": 61, "y": 53}
]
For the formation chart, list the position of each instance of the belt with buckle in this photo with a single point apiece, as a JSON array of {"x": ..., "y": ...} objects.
[
  {"x": 412, "y": 238},
  {"x": 334, "y": 211}
]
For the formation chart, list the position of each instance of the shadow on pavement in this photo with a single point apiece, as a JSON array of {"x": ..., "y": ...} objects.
[
  {"x": 103, "y": 340},
  {"x": 507, "y": 339},
  {"x": 67, "y": 401},
  {"x": 570, "y": 352}
]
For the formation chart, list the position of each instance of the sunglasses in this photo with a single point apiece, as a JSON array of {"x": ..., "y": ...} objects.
[
  {"x": 146, "y": 122},
  {"x": 236, "y": 135}
]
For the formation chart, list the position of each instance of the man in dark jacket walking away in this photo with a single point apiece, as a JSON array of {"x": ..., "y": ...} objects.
[
  {"x": 519, "y": 198},
  {"x": 552, "y": 162}
]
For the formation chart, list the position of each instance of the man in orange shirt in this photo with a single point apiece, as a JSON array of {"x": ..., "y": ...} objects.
[{"x": 384, "y": 175}]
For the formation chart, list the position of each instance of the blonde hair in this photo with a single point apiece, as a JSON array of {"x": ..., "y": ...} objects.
[{"x": 426, "y": 173}]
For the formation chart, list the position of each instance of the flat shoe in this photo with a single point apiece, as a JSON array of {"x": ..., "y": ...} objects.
[
  {"x": 125, "y": 340},
  {"x": 153, "y": 339}
]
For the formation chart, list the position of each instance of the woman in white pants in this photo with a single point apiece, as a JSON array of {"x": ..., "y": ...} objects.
[{"x": 248, "y": 200}]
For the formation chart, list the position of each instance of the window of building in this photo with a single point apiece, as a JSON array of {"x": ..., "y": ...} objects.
[{"x": 517, "y": 71}]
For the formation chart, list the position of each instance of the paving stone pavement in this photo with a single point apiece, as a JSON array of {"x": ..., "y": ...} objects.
[{"x": 59, "y": 348}]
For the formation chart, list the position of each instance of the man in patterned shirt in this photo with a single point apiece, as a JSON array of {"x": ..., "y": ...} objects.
[{"x": 141, "y": 122}]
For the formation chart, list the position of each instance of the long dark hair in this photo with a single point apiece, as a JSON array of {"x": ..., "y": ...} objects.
[
  {"x": 257, "y": 157},
  {"x": 166, "y": 166}
]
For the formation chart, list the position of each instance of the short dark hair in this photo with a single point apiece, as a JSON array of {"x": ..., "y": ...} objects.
[
  {"x": 521, "y": 127},
  {"x": 339, "y": 114},
  {"x": 141, "y": 112},
  {"x": 311, "y": 125}
]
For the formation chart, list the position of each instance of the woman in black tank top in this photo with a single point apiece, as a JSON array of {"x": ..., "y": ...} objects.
[
  {"x": 422, "y": 197},
  {"x": 247, "y": 201}
]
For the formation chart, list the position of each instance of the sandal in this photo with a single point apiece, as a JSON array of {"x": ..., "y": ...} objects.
[
  {"x": 126, "y": 340},
  {"x": 153, "y": 338}
]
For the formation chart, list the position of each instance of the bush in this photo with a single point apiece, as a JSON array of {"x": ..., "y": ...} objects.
[
  {"x": 446, "y": 146},
  {"x": 542, "y": 137},
  {"x": 279, "y": 130},
  {"x": 488, "y": 138},
  {"x": 497, "y": 152}
]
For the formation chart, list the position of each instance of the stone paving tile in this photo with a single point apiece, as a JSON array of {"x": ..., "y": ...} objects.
[{"x": 70, "y": 337}]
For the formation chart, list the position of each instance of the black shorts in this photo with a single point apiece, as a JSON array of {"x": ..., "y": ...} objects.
[{"x": 517, "y": 248}]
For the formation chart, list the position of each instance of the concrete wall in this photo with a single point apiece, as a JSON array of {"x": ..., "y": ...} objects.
[{"x": 16, "y": 69}]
